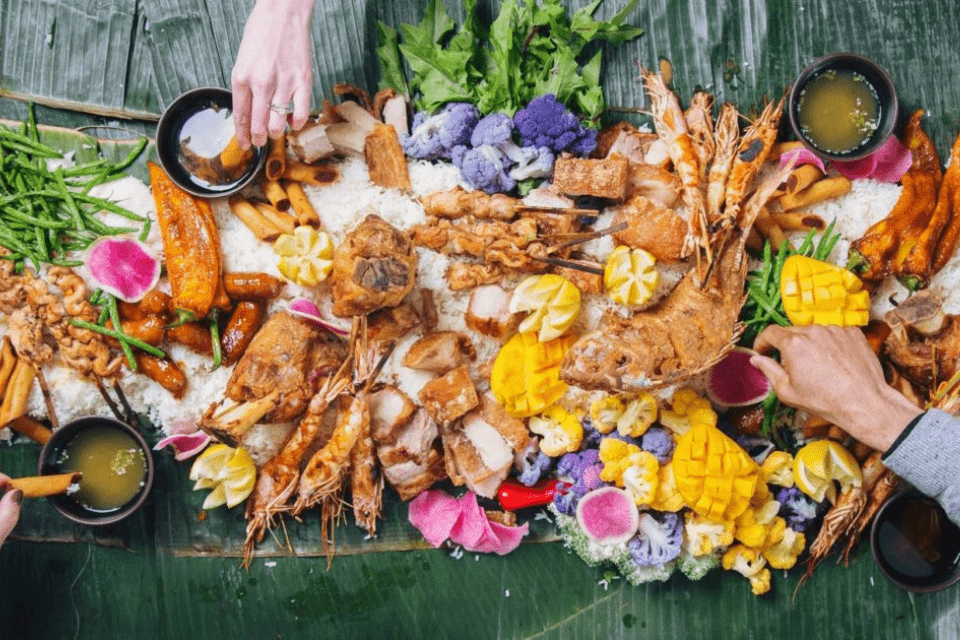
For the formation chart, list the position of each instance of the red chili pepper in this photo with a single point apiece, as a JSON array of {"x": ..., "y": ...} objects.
[{"x": 514, "y": 495}]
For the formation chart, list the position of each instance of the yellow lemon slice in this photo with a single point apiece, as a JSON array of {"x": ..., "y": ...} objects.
[
  {"x": 306, "y": 256},
  {"x": 229, "y": 472},
  {"x": 553, "y": 303},
  {"x": 629, "y": 276},
  {"x": 819, "y": 464}
]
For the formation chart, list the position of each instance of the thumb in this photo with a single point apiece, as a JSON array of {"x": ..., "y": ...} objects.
[
  {"x": 775, "y": 373},
  {"x": 9, "y": 512}
]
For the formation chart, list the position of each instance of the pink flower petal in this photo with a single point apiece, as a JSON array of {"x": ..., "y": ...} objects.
[
  {"x": 472, "y": 525},
  {"x": 508, "y": 538},
  {"x": 893, "y": 160},
  {"x": 185, "y": 445},
  {"x": 306, "y": 309},
  {"x": 801, "y": 156},
  {"x": 434, "y": 513},
  {"x": 857, "y": 169}
]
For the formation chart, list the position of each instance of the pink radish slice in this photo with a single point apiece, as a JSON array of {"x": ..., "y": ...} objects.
[
  {"x": 608, "y": 515},
  {"x": 185, "y": 445},
  {"x": 734, "y": 382},
  {"x": 123, "y": 267},
  {"x": 303, "y": 308}
]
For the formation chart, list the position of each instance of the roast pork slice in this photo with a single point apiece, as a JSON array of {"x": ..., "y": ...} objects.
[
  {"x": 390, "y": 411},
  {"x": 439, "y": 352},
  {"x": 450, "y": 396},
  {"x": 488, "y": 312}
]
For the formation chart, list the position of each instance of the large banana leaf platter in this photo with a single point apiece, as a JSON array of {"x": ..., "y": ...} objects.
[{"x": 109, "y": 68}]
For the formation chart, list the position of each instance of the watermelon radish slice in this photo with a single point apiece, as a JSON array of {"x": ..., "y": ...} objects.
[
  {"x": 734, "y": 382},
  {"x": 608, "y": 515},
  {"x": 303, "y": 308},
  {"x": 123, "y": 267}
]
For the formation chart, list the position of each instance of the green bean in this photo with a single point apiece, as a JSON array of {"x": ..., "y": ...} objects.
[
  {"x": 88, "y": 169},
  {"x": 9, "y": 137},
  {"x": 111, "y": 306},
  {"x": 121, "y": 337},
  {"x": 32, "y": 124},
  {"x": 60, "y": 262},
  {"x": 145, "y": 231},
  {"x": 215, "y": 339},
  {"x": 106, "y": 205}
]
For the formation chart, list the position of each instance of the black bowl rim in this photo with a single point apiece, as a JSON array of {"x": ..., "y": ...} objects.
[
  {"x": 889, "y": 122},
  {"x": 63, "y": 435},
  {"x": 875, "y": 532},
  {"x": 166, "y": 155}
]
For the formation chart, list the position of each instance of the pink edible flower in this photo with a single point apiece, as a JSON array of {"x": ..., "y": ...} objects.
[
  {"x": 800, "y": 156},
  {"x": 185, "y": 445},
  {"x": 439, "y": 516},
  {"x": 886, "y": 164}
]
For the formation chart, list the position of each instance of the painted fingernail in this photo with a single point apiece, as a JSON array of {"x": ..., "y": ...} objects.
[{"x": 17, "y": 497}]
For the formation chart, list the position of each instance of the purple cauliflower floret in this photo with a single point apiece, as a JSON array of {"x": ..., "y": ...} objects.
[
  {"x": 545, "y": 122},
  {"x": 658, "y": 541},
  {"x": 583, "y": 470},
  {"x": 527, "y": 162},
  {"x": 756, "y": 447},
  {"x": 484, "y": 167},
  {"x": 534, "y": 465},
  {"x": 592, "y": 437},
  {"x": 434, "y": 137},
  {"x": 796, "y": 508},
  {"x": 660, "y": 443},
  {"x": 534, "y": 162}
]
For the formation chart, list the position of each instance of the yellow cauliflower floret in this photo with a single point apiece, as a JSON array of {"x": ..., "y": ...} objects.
[
  {"x": 639, "y": 414},
  {"x": 560, "y": 431},
  {"x": 760, "y": 528},
  {"x": 667, "y": 498},
  {"x": 783, "y": 555},
  {"x": 816, "y": 292},
  {"x": 631, "y": 468},
  {"x": 605, "y": 412},
  {"x": 687, "y": 409},
  {"x": 750, "y": 564},
  {"x": 702, "y": 536},
  {"x": 778, "y": 469}
]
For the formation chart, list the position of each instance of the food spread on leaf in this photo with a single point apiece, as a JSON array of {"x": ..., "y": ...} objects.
[{"x": 508, "y": 328}]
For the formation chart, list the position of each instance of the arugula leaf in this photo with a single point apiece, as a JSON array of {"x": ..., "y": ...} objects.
[{"x": 391, "y": 67}]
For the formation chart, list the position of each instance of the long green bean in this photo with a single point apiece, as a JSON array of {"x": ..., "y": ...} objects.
[{"x": 121, "y": 337}]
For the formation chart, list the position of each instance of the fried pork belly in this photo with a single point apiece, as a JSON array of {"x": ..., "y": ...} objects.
[
  {"x": 479, "y": 450},
  {"x": 605, "y": 178},
  {"x": 653, "y": 228},
  {"x": 410, "y": 479},
  {"x": 652, "y": 182},
  {"x": 458, "y": 203},
  {"x": 374, "y": 267},
  {"x": 924, "y": 342},
  {"x": 412, "y": 443},
  {"x": 450, "y": 396},
  {"x": 439, "y": 352},
  {"x": 386, "y": 161},
  {"x": 390, "y": 411},
  {"x": 389, "y": 325},
  {"x": 286, "y": 356},
  {"x": 584, "y": 281},
  {"x": 462, "y": 275},
  {"x": 488, "y": 312},
  {"x": 546, "y": 196},
  {"x": 311, "y": 143}
]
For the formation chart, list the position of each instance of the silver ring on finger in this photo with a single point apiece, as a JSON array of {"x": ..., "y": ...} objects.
[{"x": 280, "y": 109}]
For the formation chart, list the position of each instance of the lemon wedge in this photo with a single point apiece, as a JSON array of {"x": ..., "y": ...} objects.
[
  {"x": 306, "y": 256},
  {"x": 819, "y": 464},
  {"x": 229, "y": 472},
  {"x": 553, "y": 303},
  {"x": 629, "y": 276}
]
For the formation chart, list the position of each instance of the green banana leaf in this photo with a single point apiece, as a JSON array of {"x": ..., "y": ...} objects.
[{"x": 167, "y": 573}]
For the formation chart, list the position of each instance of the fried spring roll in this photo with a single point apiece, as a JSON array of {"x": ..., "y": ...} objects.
[
  {"x": 317, "y": 175},
  {"x": 18, "y": 391},
  {"x": 27, "y": 426},
  {"x": 815, "y": 193},
  {"x": 796, "y": 221},
  {"x": 232, "y": 156},
  {"x": 8, "y": 360},
  {"x": 802, "y": 177},
  {"x": 276, "y": 158},
  {"x": 768, "y": 227},
  {"x": 280, "y": 219},
  {"x": 43, "y": 486},
  {"x": 781, "y": 148},
  {"x": 275, "y": 194},
  {"x": 255, "y": 221},
  {"x": 306, "y": 214}
]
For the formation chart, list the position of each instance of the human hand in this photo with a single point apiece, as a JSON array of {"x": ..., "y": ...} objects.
[
  {"x": 832, "y": 372},
  {"x": 9, "y": 508},
  {"x": 273, "y": 67}
]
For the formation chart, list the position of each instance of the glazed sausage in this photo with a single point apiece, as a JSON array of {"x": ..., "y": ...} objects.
[
  {"x": 251, "y": 286},
  {"x": 164, "y": 371},
  {"x": 240, "y": 330},
  {"x": 155, "y": 303},
  {"x": 149, "y": 329},
  {"x": 195, "y": 335}
]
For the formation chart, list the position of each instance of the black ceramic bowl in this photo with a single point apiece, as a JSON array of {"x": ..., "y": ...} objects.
[
  {"x": 201, "y": 120},
  {"x": 930, "y": 566},
  {"x": 67, "y": 505},
  {"x": 872, "y": 73}
]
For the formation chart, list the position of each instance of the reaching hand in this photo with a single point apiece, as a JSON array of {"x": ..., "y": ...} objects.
[
  {"x": 273, "y": 67},
  {"x": 831, "y": 372},
  {"x": 9, "y": 508}
]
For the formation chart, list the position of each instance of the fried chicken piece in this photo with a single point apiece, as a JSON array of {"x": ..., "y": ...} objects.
[
  {"x": 374, "y": 267},
  {"x": 924, "y": 342}
]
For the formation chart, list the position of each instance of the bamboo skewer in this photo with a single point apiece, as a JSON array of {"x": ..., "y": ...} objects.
[
  {"x": 580, "y": 238},
  {"x": 589, "y": 213},
  {"x": 47, "y": 399},
  {"x": 586, "y": 267}
]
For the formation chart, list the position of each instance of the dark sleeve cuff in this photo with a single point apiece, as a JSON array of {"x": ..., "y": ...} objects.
[{"x": 903, "y": 436}]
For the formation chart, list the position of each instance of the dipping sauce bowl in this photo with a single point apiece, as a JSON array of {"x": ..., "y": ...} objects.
[
  {"x": 843, "y": 107},
  {"x": 915, "y": 545},
  {"x": 197, "y": 149},
  {"x": 117, "y": 469}
]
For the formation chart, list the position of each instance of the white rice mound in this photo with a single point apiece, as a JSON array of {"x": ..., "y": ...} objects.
[{"x": 341, "y": 206}]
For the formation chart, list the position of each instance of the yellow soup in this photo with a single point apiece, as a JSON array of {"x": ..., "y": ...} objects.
[
  {"x": 838, "y": 111},
  {"x": 113, "y": 467}
]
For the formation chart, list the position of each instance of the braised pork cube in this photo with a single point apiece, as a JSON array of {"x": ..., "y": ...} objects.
[
  {"x": 449, "y": 396},
  {"x": 390, "y": 411},
  {"x": 488, "y": 312},
  {"x": 410, "y": 479}
]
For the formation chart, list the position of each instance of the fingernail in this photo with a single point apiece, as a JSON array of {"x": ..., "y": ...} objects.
[{"x": 17, "y": 497}]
